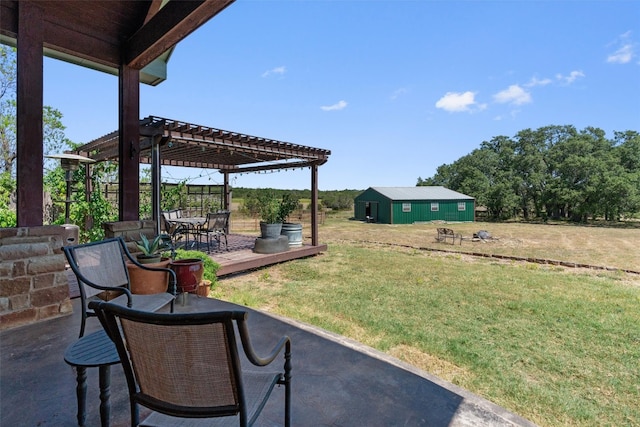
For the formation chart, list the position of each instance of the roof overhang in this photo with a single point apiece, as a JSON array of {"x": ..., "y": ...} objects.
[
  {"x": 153, "y": 74},
  {"x": 103, "y": 35},
  {"x": 190, "y": 145}
]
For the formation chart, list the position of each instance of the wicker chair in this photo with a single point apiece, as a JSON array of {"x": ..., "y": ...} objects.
[
  {"x": 100, "y": 266},
  {"x": 186, "y": 367}
]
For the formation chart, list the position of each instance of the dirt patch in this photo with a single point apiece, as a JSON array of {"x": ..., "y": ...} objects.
[{"x": 429, "y": 363}]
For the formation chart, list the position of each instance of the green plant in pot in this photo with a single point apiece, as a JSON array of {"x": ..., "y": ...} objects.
[
  {"x": 293, "y": 230},
  {"x": 152, "y": 249},
  {"x": 152, "y": 277},
  {"x": 273, "y": 212},
  {"x": 286, "y": 206},
  {"x": 269, "y": 210}
]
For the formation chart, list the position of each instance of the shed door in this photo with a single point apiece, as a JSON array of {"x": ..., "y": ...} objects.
[{"x": 371, "y": 210}]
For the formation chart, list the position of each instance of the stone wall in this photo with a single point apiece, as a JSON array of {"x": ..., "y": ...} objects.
[{"x": 33, "y": 282}]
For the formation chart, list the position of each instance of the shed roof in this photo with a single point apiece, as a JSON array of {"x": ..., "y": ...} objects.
[
  {"x": 421, "y": 193},
  {"x": 190, "y": 145}
]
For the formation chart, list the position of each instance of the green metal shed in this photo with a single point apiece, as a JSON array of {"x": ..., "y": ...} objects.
[{"x": 406, "y": 205}]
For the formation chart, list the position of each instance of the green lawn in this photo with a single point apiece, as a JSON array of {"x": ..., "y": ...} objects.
[{"x": 555, "y": 345}]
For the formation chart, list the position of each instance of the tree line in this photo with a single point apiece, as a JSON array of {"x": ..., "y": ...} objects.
[
  {"x": 329, "y": 199},
  {"x": 553, "y": 172}
]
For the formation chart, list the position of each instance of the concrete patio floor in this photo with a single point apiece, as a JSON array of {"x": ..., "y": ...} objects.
[{"x": 336, "y": 382}]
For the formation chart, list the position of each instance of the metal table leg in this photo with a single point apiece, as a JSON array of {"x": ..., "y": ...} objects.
[
  {"x": 105, "y": 394},
  {"x": 81, "y": 394}
]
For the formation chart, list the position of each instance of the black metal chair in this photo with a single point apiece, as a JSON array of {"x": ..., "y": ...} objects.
[
  {"x": 101, "y": 266},
  {"x": 186, "y": 367},
  {"x": 216, "y": 226},
  {"x": 174, "y": 228}
]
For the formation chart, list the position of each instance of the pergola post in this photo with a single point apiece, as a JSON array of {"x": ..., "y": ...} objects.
[
  {"x": 129, "y": 143},
  {"x": 29, "y": 144},
  {"x": 156, "y": 182},
  {"x": 227, "y": 193},
  {"x": 314, "y": 205}
]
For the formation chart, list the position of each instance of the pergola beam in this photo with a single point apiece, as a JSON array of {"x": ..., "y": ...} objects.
[{"x": 270, "y": 167}]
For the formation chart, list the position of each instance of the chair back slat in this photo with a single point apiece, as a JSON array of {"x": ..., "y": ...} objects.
[
  {"x": 171, "y": 361},
  {"x": 101, "y": 264}
]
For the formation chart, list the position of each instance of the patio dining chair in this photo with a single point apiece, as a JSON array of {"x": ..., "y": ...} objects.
[
  {"x": 215, "y": 227},
  {"x": 101, "y": 266},
  {"x": 186, "y": 367},
  {"x": 172, "y": 227}
]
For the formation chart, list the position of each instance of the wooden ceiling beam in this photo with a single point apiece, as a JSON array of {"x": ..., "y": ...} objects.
[{"x": 171, "y": 24}]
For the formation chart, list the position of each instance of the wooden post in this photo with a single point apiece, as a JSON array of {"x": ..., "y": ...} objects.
[
  {"x": 226, "y": 196},
  {"x": 314, "y": 205},
  {"x": 129, "y": 143},
  {"x": 88, "y": 186},
  {"x": 156, "y": 178},
  {"x": 29, "y": 118}
]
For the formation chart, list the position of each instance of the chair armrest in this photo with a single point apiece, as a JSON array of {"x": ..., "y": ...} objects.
[
  {"x": 249, "y": 351},
  {"x": 124, "y": 290}
]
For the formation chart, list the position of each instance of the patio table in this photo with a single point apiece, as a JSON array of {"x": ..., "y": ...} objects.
[
  {"x": 192, "y": 224},
  {"x": 90, "y": 351}
]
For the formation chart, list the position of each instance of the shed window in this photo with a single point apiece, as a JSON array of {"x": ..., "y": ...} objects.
[
  {"x": 406, "y": 207},
  {"x": 435, "y": 206},
  {"x": 462, "y": 206}
]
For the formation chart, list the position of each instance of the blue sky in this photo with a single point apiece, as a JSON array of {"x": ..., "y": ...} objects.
[{"x": 393, "y": 88}]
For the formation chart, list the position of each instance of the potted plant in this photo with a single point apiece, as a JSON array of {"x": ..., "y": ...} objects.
[
  {"x": 194, "y": 269},
  {"x": 151, "y": 249},
  {"x": 144, "y": 281},
  {"x": 269, "y": 211},
  {"x": 293, "y": 230}
]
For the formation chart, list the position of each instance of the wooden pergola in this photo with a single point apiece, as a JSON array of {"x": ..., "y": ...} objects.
[
  {"x": 131, "y": 39},
  {"x": 167, "y": 142}
]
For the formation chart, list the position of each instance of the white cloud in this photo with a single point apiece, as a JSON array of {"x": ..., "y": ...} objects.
[
  {"x": 278, "y": 71},
  {"x": 625, "y": 51},
  {"x": 572, "y": 77},
  {"x": 623, "y": 55},
  {"x": 398, "y": 92},
  {"x": 456, "y": 102},
  {"x": 340, "y": 105},
  {"x": 538, "y": 82},
  {"x": 513, "y": 95}
]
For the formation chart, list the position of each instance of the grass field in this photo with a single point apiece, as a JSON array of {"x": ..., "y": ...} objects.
[{"x": 559, "y": 346}]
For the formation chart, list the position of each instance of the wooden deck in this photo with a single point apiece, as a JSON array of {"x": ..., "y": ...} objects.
[{"x": 240, "y": 256}]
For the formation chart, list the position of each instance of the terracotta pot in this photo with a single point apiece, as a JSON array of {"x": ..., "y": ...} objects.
[
  {"x": 149, "y": 259},
  {"x": 203, "y": 288},
  {"x": 147, "y": 282},
  {"x": 188, "y": 273}
]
